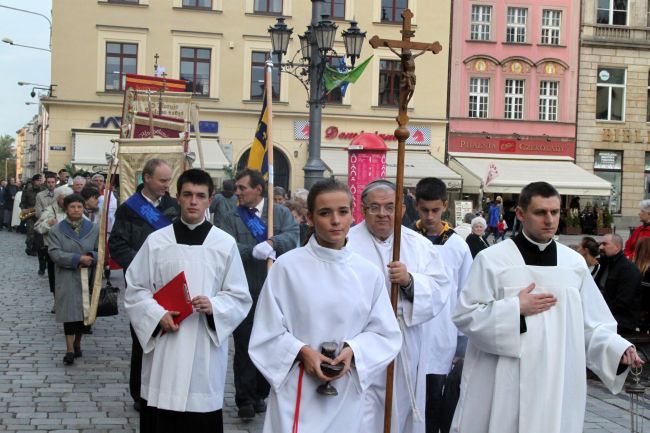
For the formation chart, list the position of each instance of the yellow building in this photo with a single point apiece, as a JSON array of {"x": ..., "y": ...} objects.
[{"x": 220, "y": 46}]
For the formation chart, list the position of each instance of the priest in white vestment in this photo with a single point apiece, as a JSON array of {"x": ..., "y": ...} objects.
[
  {"x": 424, "y": 293},
  {"x": 319, "y": 293},
  {"x": 535, "y": 321},
  {"x": 184, "y": 365}
]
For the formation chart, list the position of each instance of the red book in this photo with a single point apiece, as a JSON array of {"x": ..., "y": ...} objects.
[{"x": 175, "y": 296}]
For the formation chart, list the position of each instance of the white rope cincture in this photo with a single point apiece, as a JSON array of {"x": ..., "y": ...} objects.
[{"x": 405, "y": 361}]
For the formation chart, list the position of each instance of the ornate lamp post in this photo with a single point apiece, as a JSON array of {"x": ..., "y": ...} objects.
[{"x": 315, "y": 45}]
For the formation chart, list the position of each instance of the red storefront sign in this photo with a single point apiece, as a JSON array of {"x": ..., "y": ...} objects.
[
  {"x": 366, "y": 162},
  {"x": 511, "y": 146}
]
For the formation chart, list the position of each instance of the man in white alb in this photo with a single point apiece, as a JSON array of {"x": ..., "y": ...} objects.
[{"x": 535, "y": 321}]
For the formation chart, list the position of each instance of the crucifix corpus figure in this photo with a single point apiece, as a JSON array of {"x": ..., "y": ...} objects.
[{"x": 408, "y": 405}]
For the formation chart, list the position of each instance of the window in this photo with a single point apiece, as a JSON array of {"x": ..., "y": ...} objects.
[
  {"x": 121, "y": 58},
  {"x": 551, "y": 27},
  {"x": 548, "y": 100},
  {"x": 608, "y": 165},
  {"x": 258, "y": 63},
  {"x": 479, "y": 97},
  {"x": 198, "y": 4},
  {"x": 612, "y": 12},
  {"x": 389, "y": 75},
  {"x": 335, "y": 9},
  {"x": 273, "y": 7},
  {"x": 514, "y": 102},
  {"x": 480, "y": 27},
  {"x": 336, "y": 95},
  {"x": 516, "y": 25},
  {"x": 391, "y": 10},
  {"x": 195, "y": 69},
  {"x": 610, "y": 94}
]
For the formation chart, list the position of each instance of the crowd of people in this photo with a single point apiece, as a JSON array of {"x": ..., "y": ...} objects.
[{"x": 484, "y": 337}]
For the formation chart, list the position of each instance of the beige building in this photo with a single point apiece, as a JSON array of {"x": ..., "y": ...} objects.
[
  {"x": 613, "y": 133},
  {"x": 220, "y": 46}
]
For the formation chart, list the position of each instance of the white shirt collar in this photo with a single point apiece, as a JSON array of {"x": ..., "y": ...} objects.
[
  {"x": 191, "y": 226},
  {"x": 154, "y": 203},
  {"x": 260, "y": 207},
  {"x": 541, "y": 246}
]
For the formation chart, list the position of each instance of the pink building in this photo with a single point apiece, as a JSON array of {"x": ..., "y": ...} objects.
[{"x": 513, "y": 90}]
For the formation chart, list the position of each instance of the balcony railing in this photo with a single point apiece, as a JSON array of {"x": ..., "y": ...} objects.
[{"x": 617, "y": 34}]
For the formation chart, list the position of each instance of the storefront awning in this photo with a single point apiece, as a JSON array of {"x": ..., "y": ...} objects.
[
  {"x": 514, "y": 174},
  {"x": 89, "y": 149},
  {"x": 417, "y": 164}
]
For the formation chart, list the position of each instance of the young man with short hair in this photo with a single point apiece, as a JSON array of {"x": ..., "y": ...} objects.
[
  {"x": 536, "y": 321},
  {"x": 447, "y": 345},
  {"x": 184, "y": 364}
]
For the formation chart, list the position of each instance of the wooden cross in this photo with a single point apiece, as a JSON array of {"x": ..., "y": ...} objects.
[
  {"x": 155, "y": 65},
  {"x": 406, "y": 90}
]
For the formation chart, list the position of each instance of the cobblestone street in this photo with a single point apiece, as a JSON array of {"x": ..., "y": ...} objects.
[{"x": 38, "y": 393}]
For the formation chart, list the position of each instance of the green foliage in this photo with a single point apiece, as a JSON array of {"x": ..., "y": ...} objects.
[
  {"x": 572, "y": 218},
  {"x": 608, "y": 218},
  {"x": 7, "y": 156}
]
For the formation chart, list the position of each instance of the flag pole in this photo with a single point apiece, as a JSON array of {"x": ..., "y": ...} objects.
[{"x": 268, "y": 90}]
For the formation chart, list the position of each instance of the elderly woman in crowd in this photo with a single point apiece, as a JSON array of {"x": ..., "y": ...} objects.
[
  {"x": 72, "y": 247},
  {"x": 51, "y": 216},
  {"x": 475, "y": 240},
  {"x": 640, "y": 232}
]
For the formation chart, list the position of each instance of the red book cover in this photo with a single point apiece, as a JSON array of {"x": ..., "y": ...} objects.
[{"x": 175, "y": 296}]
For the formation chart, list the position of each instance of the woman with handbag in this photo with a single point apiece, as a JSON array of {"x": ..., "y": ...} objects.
[
  {"x": 51, "y": 216},
  {"x": 73, "y": 248}
]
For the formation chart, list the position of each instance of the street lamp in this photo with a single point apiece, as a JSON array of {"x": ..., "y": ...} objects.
[
  {"x": 315, "y": 46},
  {"x": 11, "y": 42},
  {"x": 49, "y": 22},
  {"x": 48, "y": 87}
]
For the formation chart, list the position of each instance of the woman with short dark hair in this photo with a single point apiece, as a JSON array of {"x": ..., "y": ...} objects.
[{"x": 73, "y": 249}]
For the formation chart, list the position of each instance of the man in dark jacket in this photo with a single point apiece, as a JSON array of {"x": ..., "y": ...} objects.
[
  {"x": 250, "y": 386},
  {"x": 28, "y": 207},
  {"x": 620, "y": 280},
  {"x": 10, "y": 194},
  {"x": 148, "y": 209}
]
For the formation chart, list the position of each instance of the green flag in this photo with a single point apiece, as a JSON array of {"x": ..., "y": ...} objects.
[{"x": 334, "y": 78}]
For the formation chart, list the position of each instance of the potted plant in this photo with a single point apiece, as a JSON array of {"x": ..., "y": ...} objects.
[
  {"x": 572, "y": 222},
  {"x": 604, "y": 222}
]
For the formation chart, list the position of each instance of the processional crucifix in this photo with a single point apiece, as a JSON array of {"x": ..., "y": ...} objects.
[{"x": 406, "y": 90}]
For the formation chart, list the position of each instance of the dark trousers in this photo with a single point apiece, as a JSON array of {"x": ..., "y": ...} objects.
[
  {"x": 433, "y": 410},
  {"x": 154, "y": 420},
  {"x": 136, "y": 366},
  {"x": 250, "y": 385},
  {"x": 42, "y": 254},
  {"x": 50, "y": 270}
]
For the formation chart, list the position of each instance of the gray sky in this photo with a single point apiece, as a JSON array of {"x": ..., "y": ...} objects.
[{"x": 22, "y": 64}]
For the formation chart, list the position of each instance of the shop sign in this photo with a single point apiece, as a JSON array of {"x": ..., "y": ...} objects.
[
  {"x": 57, "y": 147},
  {"x": 419, "y": 135},
  {"x": 477, "y": 144},
  {"x": 608, "y": 160},
  {"x": 624, "y": 135}
]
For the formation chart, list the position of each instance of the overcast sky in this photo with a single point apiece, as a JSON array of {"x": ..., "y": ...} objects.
[{"x": 22, "y": 64}]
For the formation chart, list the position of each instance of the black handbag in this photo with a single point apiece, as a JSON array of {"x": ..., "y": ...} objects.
[{"x": 107, "y": 305}]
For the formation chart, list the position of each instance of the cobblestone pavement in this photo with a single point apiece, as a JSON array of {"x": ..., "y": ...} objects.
[{"x": 39, "y": 393}]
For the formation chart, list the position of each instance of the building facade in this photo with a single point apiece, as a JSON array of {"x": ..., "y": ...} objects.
[
  {"x": 220, "y": 46},
  {"x": 514, "y": 72},
  {"x": 613, "y": 134}
]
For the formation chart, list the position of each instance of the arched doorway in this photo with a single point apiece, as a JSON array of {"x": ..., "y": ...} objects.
[{"x": 280, "y": 167}]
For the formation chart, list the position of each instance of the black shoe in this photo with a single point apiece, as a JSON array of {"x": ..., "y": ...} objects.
[
  {"x": 136, "y": 406},
  {"x": 259, "y": 406},
  {"x": 246, "y": 412},
  {"x": 68, "y": 359},
  {"x": 77, "y": 352},
  {"x": 41, "y": 272}
]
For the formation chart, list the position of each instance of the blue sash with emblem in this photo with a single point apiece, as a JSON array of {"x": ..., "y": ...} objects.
[
  {"x": 254, "y": 224},
  {"x": 138, "y": 204}
]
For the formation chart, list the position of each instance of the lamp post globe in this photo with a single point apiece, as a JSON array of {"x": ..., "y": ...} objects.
[
  {"x": 325, "y": 32},
  {"x": 280, "y": 35},
  {"x": 353, "y": 40}
]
